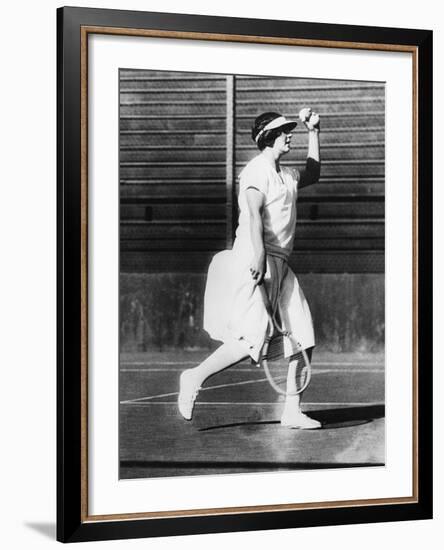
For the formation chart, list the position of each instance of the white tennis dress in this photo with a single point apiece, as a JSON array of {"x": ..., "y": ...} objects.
[{"x": 233, "y": 305}]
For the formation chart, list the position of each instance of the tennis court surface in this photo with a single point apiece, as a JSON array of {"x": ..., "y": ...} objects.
[{"x": 236, "y": 426}]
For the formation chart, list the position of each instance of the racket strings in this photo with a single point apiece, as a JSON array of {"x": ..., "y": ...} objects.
[
  {"x": 288, "y": 375},
  {"x": 276, "y": 347}
]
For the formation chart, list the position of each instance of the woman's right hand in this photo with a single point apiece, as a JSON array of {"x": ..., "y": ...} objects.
[{"x": 258, "y": 268}]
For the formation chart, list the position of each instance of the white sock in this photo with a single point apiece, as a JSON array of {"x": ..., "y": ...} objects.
[
  {"x": 291, "y": 378},
  {"x": 292, "y": 401}
]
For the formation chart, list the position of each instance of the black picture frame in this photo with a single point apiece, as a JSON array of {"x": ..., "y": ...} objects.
[{"x": 73, "y": 522}]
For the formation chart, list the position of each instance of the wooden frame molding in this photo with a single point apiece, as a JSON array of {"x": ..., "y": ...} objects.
[{"x": 85, "y": 526}]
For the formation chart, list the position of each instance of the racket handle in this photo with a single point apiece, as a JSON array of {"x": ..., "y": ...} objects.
[
  {"x": 266, "y": 300},
  {"x": 269, "y": 309}
]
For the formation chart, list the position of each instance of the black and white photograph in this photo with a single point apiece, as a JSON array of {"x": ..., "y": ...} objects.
[{"x": 252, "y": 273}]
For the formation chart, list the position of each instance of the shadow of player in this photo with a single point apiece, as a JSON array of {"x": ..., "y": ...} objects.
[{"x": 342, "y": 417}]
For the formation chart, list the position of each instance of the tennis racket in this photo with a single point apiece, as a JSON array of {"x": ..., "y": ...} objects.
[{"x": 286, "y": 375}]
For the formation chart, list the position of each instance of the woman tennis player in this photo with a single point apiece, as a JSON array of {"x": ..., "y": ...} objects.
[{"x": 234, "y": 310}]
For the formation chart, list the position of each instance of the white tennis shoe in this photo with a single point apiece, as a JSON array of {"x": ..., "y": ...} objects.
[
  {"x": 188, "y": 390},
  {"x": 293, "y": 417}
]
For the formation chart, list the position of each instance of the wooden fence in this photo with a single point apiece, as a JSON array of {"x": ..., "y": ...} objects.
[{"x": 184, "y": 137}]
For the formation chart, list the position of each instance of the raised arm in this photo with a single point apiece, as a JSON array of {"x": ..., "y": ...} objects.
[
  {"x": 255, "y": 202},
  {"x": 312, "y": 170}
]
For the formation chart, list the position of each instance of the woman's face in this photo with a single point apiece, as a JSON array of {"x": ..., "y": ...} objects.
[{"x": 282, "y": 142}]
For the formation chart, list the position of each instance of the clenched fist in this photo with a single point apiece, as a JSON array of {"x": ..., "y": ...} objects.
[{"x": 309, "y": 118}]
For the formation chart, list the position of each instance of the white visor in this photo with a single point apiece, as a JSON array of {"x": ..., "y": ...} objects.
[{"x": 276, "y": 123}]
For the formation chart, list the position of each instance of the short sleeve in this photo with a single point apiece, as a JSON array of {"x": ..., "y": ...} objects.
[
  {"x": 294, "y": 175},
  {"x": 254, "y": 175}
]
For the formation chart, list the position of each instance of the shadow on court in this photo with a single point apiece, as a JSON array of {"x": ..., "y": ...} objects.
[
  {"x": 236, "y": 426},
  {"x": 330, "y": 419},
  {"x": 348, "y": 416}
]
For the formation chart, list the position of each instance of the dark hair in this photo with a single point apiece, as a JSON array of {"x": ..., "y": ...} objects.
[{"x": 267, "y": 139}]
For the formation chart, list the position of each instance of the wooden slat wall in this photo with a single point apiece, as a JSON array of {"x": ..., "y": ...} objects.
[{"x": 173, "y": 168}]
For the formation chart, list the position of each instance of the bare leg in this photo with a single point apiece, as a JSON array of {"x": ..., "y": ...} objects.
[{"x": 191, "y": 380}]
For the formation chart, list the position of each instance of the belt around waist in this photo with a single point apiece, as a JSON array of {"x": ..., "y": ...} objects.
[{"x": 274, "y": 250}]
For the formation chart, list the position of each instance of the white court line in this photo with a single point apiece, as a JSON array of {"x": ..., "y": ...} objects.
[
  {"x": 154, "y": 362},
  {"x": 314, "y": 364},
  {"x": 242, "y": 383},
  {"x": 202, "y": 389},
  {"x": 315, "y": 371},
  {"x": 267, "y": 403},
  {"x": 166, "y": 369}
]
